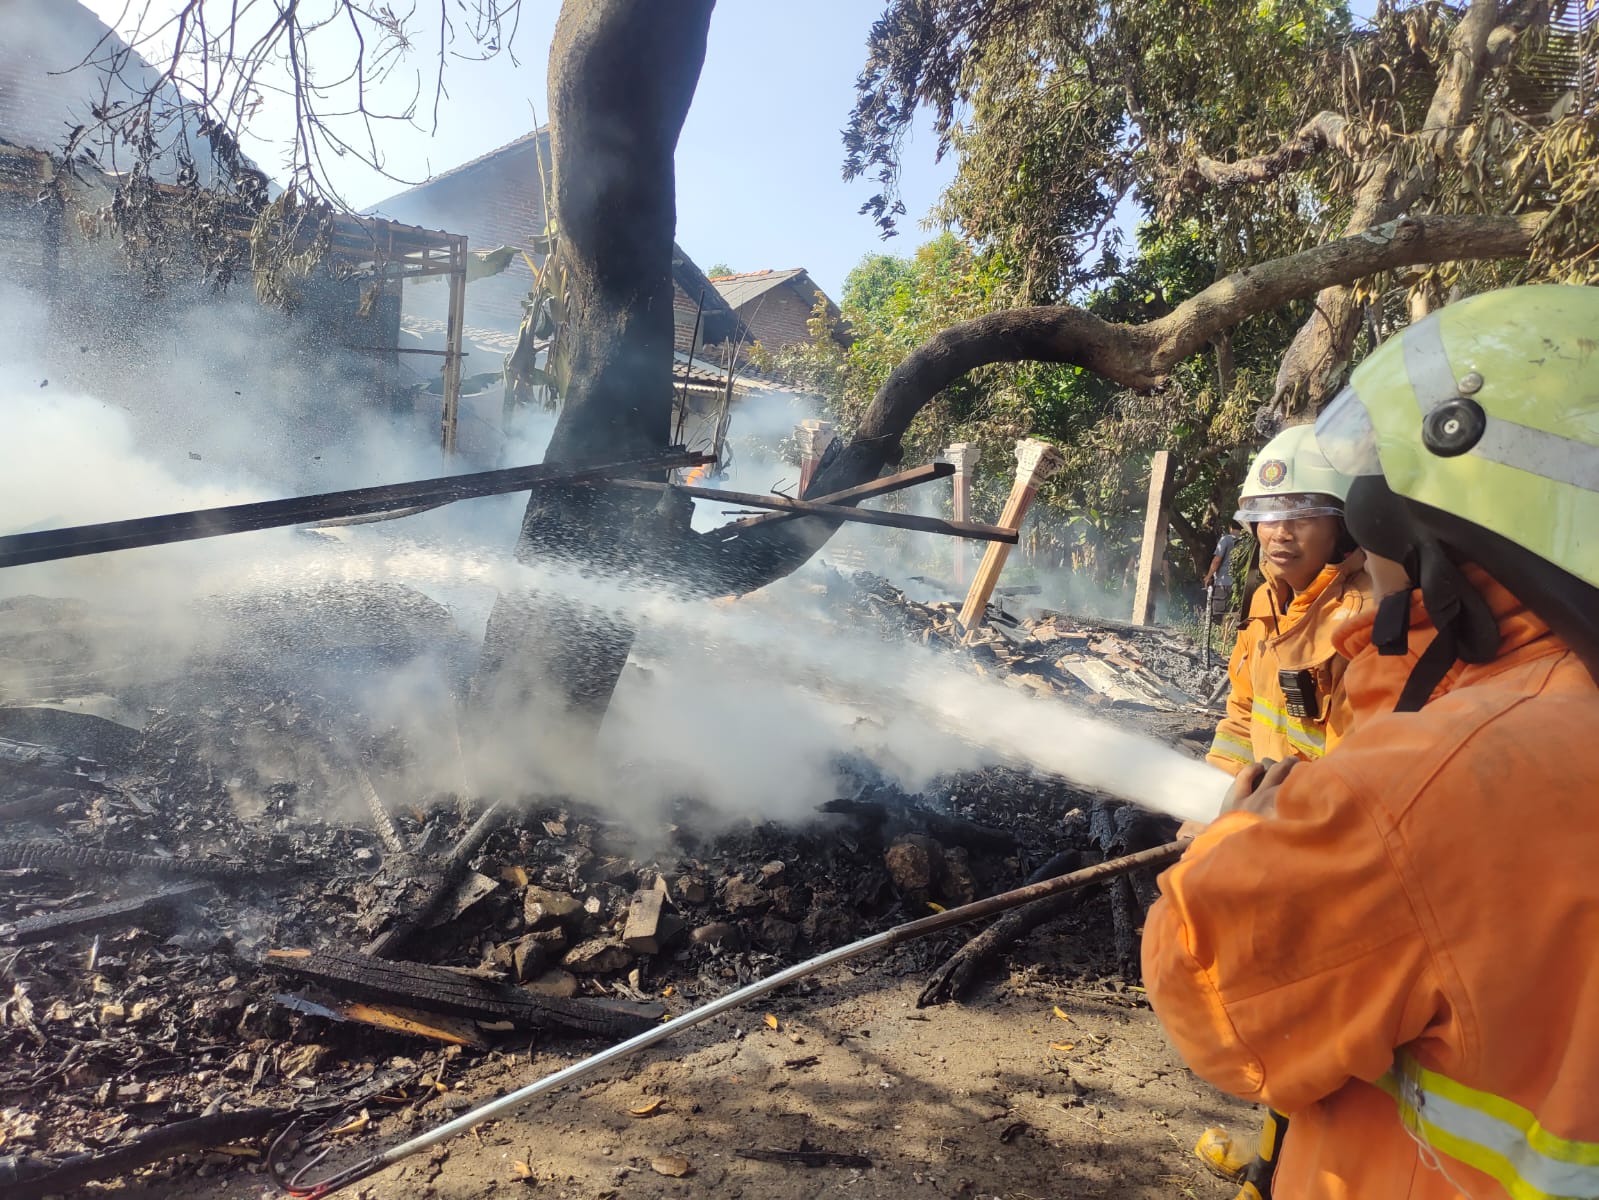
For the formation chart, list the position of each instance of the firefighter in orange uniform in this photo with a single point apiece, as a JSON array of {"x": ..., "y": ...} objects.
[
  {"x": 1287, "y": 697},
  {"x": 1394, "y": 944}
]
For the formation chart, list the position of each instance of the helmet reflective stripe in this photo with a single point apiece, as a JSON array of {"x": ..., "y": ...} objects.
[
  {"x": 1560, "y": 459},
  {"x": 1345, "y": 434},
  {"x": 1287, "y": 507},
  {"x": 1529, "y": 357},
  {"x": 1427, "y": 364},
  {"x": 1535, "y": 451}
]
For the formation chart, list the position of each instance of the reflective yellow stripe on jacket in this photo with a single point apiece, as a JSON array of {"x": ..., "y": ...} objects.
[
  {"x": 1496, "y": 1136},
  {"x": 1227, "y": 746},
  {"x": 1307, "y": 739}
]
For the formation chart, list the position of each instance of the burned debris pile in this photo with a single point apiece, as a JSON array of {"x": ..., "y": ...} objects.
[
  {"x": 231, "y": 915},
  {"x": 1094, "y": 661}
]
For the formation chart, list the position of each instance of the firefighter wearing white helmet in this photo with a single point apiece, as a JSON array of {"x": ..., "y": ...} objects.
[{"x": 1287, "y": 699}]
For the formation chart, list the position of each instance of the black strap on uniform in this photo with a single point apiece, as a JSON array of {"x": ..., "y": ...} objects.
[{"x": 1390, "y": 632}]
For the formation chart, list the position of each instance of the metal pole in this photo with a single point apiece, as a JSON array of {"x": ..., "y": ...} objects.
[{"x": 937, "y": 922}]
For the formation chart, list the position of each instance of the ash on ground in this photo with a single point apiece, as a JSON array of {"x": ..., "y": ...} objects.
[{"x": 187, "y": 922}]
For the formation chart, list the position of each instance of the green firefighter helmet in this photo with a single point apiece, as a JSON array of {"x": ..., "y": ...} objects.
[
  {"x": 1474, "y": 436},
  {"x": 1487, "y": 410},
  {"x": 1290, "y": 478}
]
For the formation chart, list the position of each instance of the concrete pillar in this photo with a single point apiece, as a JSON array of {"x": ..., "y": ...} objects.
[
  {"x": 1153, "y": 551},
  {"x": 814, "y": 436},
  {"x": 964, "y": 456},
  {"x": 1036, "y": 461}
]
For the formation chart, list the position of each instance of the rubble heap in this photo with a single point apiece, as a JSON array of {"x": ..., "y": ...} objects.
[
  {"x": 193, "y": 952},
  {"x": 1098, "y": 662}
]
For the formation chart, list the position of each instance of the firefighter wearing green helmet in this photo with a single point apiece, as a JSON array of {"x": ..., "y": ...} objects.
[{"x": 1423, "y": 1000}]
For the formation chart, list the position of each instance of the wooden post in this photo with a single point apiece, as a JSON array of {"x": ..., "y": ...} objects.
[
  {"x": 452, "y": 333},
  {"x": 814, "y": 437},
  {"x": 1036, "y": 461},
  {"x": 964, "y": 456},
  {"x": 1153, "y": 551}
]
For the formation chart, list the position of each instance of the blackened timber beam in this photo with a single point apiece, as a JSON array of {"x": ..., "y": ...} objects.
[
  {"x": 47, "y": 545},
  {"x": 50, "y": 926},
  {"x": 864, "y": 491},
  {"x": 440, "y": 990},
  {"x": 833, "y": 512}
]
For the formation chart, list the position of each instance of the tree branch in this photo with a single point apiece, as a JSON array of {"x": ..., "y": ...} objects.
[
  {"x": 1321, "y": 131},
  {"x": 1136, "y": 356},
  {"x": 1314, "y": 364}
]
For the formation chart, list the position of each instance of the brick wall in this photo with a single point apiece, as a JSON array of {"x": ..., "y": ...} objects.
[{"x": 780, "y": 317}]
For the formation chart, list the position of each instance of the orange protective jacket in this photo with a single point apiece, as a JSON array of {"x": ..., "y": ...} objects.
[
  {"x": 1290, "y": 632},
  {"x": 1422, "y": 998}
]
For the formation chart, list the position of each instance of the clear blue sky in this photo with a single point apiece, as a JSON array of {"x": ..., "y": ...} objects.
[{"x": 759, "y": 181}]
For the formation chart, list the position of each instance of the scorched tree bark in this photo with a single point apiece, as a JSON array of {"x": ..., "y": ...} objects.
[{"x": 621, "y": 76}]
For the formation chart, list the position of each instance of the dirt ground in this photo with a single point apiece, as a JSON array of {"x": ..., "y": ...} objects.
[{"x": 997, "y": 1098}]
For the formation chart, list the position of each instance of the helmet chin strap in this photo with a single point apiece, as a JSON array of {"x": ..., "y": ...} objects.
[{"x": 1466, "y": 629}]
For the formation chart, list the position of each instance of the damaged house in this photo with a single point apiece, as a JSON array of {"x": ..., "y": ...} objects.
[
  {"x": 497, "y": 201},
  {"x": 112, "y": 258}
]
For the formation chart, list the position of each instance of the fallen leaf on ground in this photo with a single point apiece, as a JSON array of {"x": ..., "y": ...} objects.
[
  {"x": 670, "y": 1164},
  {"x": 354, "y": 1124},
  {"x": 1061, "y": 1013},
  {"x": 771, "y": 1021},
  {"x": 1061, "y": 1046},
  {"x": 649, "y": 1106}
]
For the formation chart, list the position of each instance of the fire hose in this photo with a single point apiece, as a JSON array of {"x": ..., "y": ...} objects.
[{"x": 297, "y": 1185}]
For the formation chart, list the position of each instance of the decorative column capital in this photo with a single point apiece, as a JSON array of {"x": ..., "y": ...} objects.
[
  {"x": 1036, "y": 461},
  {"x": 964, "y": 455}
]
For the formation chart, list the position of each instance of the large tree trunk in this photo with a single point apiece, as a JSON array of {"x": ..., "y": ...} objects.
[{"x": 622, "y": 74}]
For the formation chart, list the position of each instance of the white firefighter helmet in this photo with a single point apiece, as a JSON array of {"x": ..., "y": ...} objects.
[{"x": 1292, "y": 478}]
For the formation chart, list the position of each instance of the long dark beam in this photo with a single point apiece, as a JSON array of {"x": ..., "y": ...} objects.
[
  {"x": 46, "y": 545},
  {"x": 864, "y": 491},
  {"x": 832, "y": 512}
]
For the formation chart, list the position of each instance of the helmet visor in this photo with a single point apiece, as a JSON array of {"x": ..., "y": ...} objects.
[
  {"x": 1287, "y": 506},
  {"x": 1345, "y": 435}
]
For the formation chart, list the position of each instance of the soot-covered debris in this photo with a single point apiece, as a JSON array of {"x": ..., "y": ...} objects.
[
  {"x": 183, "y": 932},
  {"x": 1095, "y": 661}
]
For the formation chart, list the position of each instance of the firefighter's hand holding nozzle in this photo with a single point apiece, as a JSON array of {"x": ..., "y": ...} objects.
[{"x": 1254, "y": 790}]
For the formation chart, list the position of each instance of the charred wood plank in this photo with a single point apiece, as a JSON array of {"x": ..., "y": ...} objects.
[
  {"x": 382, "y": 819},
  {"x": 955, "y": 831},
  {"x": 40, "y": 764},
  {"x": 962, "y": 968},
  {"x": 36, "y": 803},
  {"x": 864, "y": 491},
  {"x": 65, "y": 858},
  {"x": 441, "y": 990},
  {"x": 31, "y": 1181},
  {"x": 438, "y": 886},
  {"x": 96, "y": 916},
  {"x": 832, "y": 512},
  {"x": 49, "y": 544}
]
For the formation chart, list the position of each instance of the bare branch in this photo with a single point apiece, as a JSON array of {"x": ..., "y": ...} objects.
[
  {"x": 1137, "y": 356},
  {"x": 1325, "y": 129}
]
